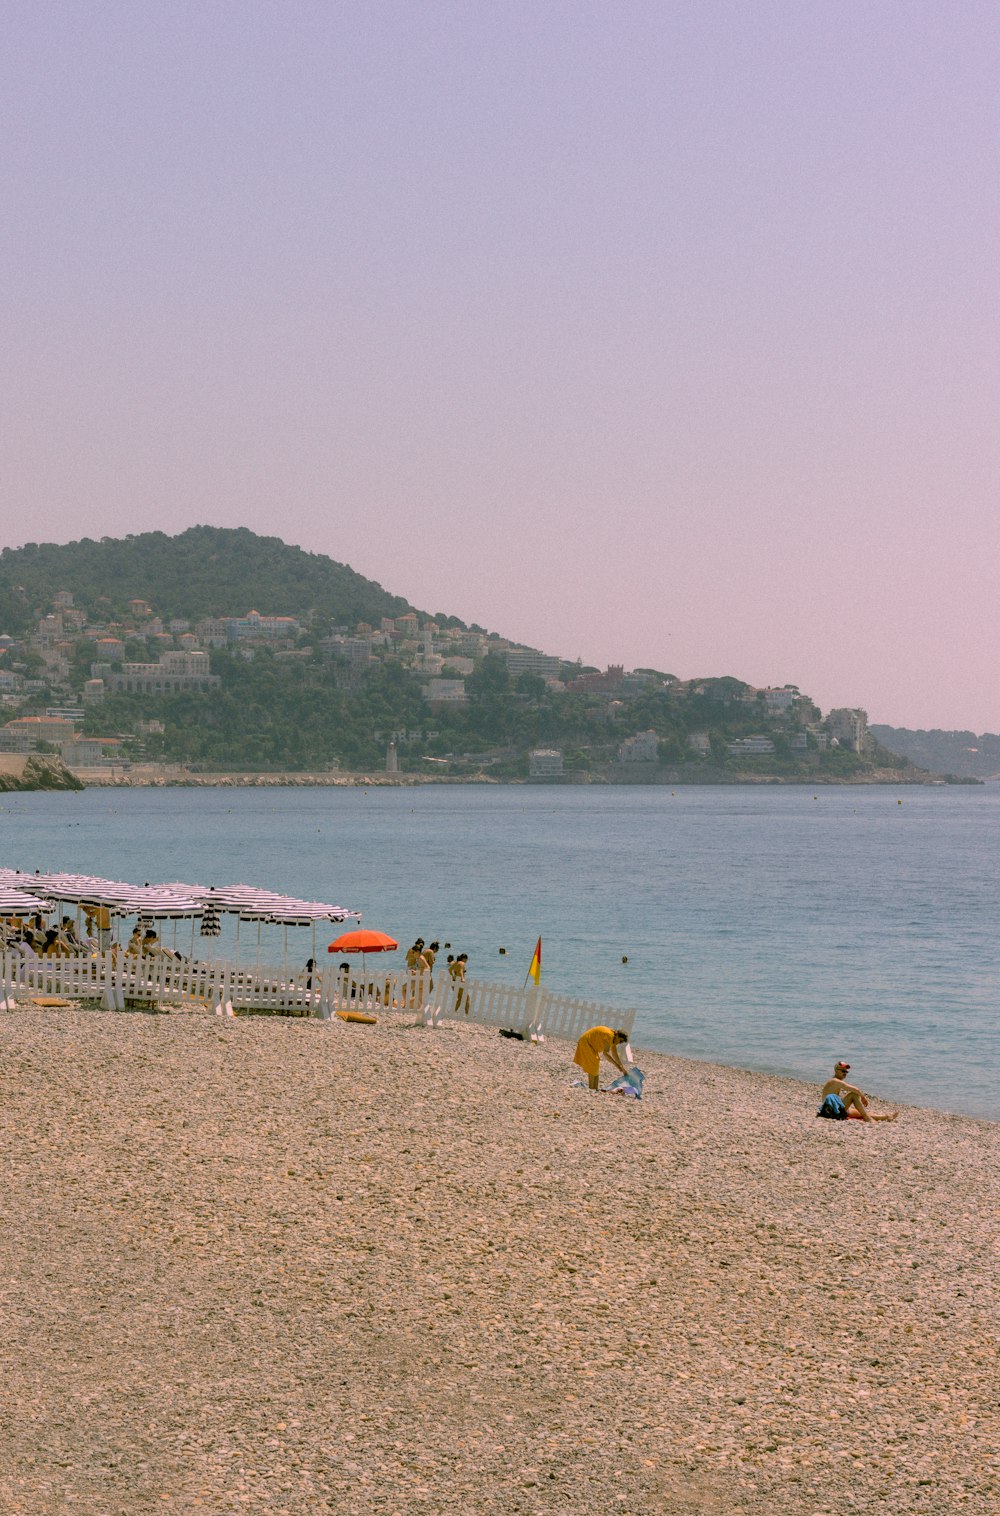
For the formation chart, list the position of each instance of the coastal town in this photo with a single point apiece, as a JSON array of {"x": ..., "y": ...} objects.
[{"x": 69, "y": 678}]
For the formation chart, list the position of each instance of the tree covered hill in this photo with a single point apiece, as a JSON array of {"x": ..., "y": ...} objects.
[
  {"x": 204, "y": 571},
  {"x": 963, "y": 754},
  {"x": 328, "y": 691}
]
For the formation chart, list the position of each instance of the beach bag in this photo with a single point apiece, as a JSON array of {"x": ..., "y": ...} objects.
[{"x": 833, "y": 1108}]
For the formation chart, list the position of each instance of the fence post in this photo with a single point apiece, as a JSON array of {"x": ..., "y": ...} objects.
[
  {"x": 8, "y": 983},
  {"x": 119, "y": 981},
  {"x": 220, "y": 1004}
]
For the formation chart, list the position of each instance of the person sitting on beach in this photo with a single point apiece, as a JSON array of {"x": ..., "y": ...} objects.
[
  {"x": 26, "y": 944},
  {"x": 839, "y": 1100},
  {"x": 134, "y": 945},
  {"x": 53, "y": 948},
  {"x": 598, "y": 1041},
  {"x": 67, "y": 935}
]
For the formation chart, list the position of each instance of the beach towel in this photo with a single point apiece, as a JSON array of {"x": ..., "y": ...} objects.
[{"x": 629, "y": 1084}]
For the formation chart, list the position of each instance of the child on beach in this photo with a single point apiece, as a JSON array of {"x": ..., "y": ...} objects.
[{"x": 839, "y": 1100}]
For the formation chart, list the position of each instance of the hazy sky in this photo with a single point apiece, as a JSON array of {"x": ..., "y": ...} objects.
[{"x": 664, "y": 333}]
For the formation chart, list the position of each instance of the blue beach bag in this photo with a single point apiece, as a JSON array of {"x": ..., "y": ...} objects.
[{"x": 833, "y": 1108}]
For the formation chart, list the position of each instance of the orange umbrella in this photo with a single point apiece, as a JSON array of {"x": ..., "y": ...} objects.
[{"x": 363, "y": 942}]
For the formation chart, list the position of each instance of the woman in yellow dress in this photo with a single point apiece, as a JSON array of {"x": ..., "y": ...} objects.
[{"x": 599, "y": 1040}]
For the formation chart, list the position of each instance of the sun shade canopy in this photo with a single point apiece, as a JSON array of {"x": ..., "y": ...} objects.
[
  {"x": 172, "y": 901},
  {"x": 14, "y": 902},
  {"x": 363, "y": 942}
]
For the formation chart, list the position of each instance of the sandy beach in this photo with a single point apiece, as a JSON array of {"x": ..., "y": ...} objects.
[{"x": 285, "y": 1267}]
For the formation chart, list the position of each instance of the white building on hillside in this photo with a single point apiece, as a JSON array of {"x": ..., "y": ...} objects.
[{"x": 545, "y": 763}]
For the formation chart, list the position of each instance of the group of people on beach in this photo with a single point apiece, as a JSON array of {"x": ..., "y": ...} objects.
[
  {"x": 144, "y": 943},
  {"x": 421, "y": 958},
  {"x": 33, "y": 938},
  {"x": 420, "y": 962}
]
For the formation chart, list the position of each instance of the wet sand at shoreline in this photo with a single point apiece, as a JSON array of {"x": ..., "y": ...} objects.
[{"x": 284, "y": 1267}]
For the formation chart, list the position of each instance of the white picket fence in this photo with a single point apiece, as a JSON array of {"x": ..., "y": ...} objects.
[{"x": 117, "y": 981}]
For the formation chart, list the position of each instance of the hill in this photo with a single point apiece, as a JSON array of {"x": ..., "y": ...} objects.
[
  {"x": 962, "y": 754},
  {"x": 205, "y": 571},
  {"x": 222, "y": 650}
]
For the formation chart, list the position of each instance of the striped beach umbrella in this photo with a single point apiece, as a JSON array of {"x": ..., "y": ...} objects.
[
  {"x": 211, "y": 924},
  {"x": 15, "y": 902}
]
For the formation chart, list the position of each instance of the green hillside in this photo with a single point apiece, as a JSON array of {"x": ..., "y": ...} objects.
[
  {"x": 964, "y": 754},
  {"x": 299, "y": 698},
  {"x": 205, "y": 571}
]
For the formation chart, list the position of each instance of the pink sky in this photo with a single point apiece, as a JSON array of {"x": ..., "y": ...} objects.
[{"x": 663, "y": 334}]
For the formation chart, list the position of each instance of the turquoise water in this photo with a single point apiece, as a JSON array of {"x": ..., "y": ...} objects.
[{"x": 765, "y": 928}]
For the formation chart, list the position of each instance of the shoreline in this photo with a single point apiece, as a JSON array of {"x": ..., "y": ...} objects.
[
  {"x": 139, "y": 778},
  {"x": 389, "y": 1268}
]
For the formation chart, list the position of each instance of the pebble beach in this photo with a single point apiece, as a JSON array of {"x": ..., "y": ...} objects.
[{"x": 283, "y": 1267}]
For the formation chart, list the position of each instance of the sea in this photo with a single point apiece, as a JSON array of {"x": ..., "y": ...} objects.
[{"x": 766, "y": 928}]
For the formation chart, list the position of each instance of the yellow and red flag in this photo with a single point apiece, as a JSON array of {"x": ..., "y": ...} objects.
[{"x": 535, "y": 971}]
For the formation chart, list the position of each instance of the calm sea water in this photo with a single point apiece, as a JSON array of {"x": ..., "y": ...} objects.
[{"x": 764, "y": 928}]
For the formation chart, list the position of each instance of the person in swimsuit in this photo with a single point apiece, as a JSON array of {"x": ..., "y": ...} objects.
[
  {"x": 599, "y": 1041},
  {"x": 841, "y": 1100},
  {"x": 456, "y": 969}
]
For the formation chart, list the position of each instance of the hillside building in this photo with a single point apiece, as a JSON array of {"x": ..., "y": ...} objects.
[
  {"x": 757, "y": 746},
  {"x": 644, "y": 747},
  {"x": 545, "y": 763},
  {"x": 24, "y": 733},
  {"x": 848, "y": 728},
  {"x": 174, "y": 672},
  {"x": 445, "y": 691},
  {"x": 525, "y": 660}
]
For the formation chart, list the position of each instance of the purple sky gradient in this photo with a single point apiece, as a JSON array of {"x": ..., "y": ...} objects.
[{"x": 656, "y": 333}]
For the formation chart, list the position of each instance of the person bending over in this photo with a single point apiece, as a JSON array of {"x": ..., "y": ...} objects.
[
  {"x": 839, "y": 1100},
  {"x": 600, "y": 1040}
]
